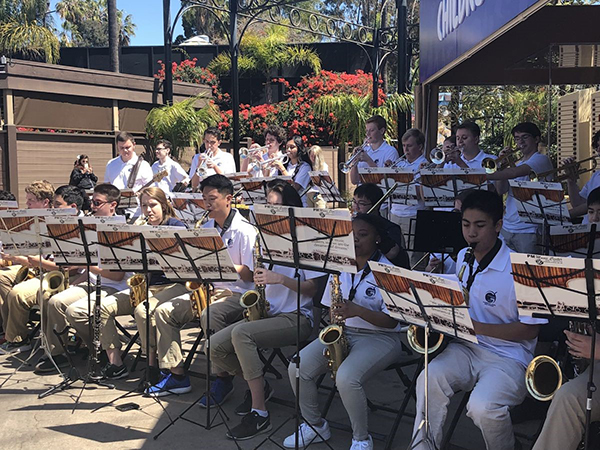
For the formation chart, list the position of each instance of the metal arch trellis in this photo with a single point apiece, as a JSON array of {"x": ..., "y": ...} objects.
[{"x": 378, "y": 43}]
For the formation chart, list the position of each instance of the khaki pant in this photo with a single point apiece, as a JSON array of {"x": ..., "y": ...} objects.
[
  {"x": 565, "y": 422},
  {"x": 235, "y": 348},
  {"x": 57, "y": 313},
  {"x": 225, "y": 309},
  {"x": 7, "y": 278},
  {"x": 21, "y": 299}
]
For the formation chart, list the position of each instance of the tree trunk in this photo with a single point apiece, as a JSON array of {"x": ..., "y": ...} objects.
[{"x": 113, "y": 35}]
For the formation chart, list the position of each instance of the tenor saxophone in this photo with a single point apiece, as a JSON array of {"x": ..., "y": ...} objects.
[
  {"x": 255, "y": 301},
  {"x": 333, "y": 335},
  {"x": 199, "y": 297},
  {"x": 137, "y": 292}
]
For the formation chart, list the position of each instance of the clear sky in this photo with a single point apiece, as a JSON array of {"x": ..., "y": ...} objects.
[{"x": 148, "y": 16}]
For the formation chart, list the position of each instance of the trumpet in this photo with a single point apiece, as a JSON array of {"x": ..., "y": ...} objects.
[
  {"x": 574, "y": 169},
  {"x": 252, "y": 153},
  {"x": 354, "y": 159},
  {"x": 284, "y": 159},
  {"x": 492, "y": 165},
  {"x": 437, "y": 156},
  {"x": 398, "y": 162},
  {"x": 202, "y": 169}
]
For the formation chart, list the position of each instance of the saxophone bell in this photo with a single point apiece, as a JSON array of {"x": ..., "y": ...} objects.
[
  {"x": 416, "y": 339},
  {"x": 255, "y": 301},
  {"x": 333, "y": 336},
  {"x": 199, "y": 296},
  {"x": 137, "y": 286}
]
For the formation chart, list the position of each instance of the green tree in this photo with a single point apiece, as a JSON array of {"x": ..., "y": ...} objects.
[
  {"x": 85, "y": 23},
  {"x": 181, "y": 123},
  {"x": 25, "y": 29}
]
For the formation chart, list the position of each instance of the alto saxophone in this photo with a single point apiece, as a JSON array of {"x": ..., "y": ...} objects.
[
  {"x": 255, "y": 301},
  {"x": 333, "y": 335},
  {"x": 137, "y": 292}
]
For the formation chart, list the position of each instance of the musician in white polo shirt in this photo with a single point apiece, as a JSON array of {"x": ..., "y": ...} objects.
[
  {"x": 494, "y": 368},
  {"x": 413, "y": 142},
  {"x": 175, "y": 173},
  {"x": 467, "y": 142},
  {"x": 520, "y": 236},
  {"x": 213, "y": 160},
  {"x": 577, "y": 197},
  {"x": 377, "y": 152},
  {"x": 127, "y": 171}
]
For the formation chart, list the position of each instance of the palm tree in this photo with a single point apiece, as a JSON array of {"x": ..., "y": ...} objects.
[
  {"x": 181, "y": 123},
  {"x": 25, "y": 30},
  {"x": 352, "y": 111}
]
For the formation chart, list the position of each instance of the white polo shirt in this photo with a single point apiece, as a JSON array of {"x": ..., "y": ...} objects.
[
  {"x": 301, "y": 177},
  {"x": 492, "y": 299},
  {"x": 176, "y": 174},
  {"x": 385, "y": 152},
  {"x": 284, "y": 300},
  {"x": 512, "y": 222},
  {"x": 409, "y": 210},
  {"x": 117, "y": 173},
  {"x": 592, "y": 184},
  {"x": 239, "y": 240},
  {"x": 474, "y": 163},
  {"x": 224, "y": 160},
  {"x": 367, "y": 295}
]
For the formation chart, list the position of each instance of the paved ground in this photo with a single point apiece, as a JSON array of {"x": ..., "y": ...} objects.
[{"x": 53, "y": 423}]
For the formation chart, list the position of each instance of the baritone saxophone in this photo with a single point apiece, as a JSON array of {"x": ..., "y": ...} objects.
[{"x": 333, "y": 335}]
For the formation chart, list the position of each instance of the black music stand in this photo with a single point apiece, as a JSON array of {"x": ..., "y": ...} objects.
[
  {"x": 142, "y": 252},
  {"x": 59, "y": 239},
  {"x": 416, "y": 312},
  {"x": 590, "y": 274},
  {"x": 267, "y": 228},
  {"x": 438, "y": 232},
  {"x": 191, "y": 253}
]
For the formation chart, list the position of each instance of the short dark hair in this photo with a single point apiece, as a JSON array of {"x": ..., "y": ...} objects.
[
  {"x": 71, "y": 195},
  {"x": 220, "y": 182},
  {"x": 110, "y": 191},
  {"x": 487, "y": 202},
  {"x": 371, "y": 219},
  {"x": 451, "y": 138},
  {"x": 471, "y": 126},
  {"x": 370, "y": 191},
  {"x": 124, "y": 136},
  {"x": 594, "y": 197},
  {"x": 277, "y": 132},
  {"x": 214, "y": 131},
  {"x": 377, "y": 120},
  {"x": 6, "y": 195},
  {"x": 596, "y": 139},
  {"x": 166, "y": 143},
  {"x": 415, "y": 133},
  {"x": 289, "y": 195},
  {"x": 527, "y": 127}
]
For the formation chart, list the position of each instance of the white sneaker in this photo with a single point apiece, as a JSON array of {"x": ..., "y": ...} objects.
[
  {"x": 362, "y": 445},
  {"x": 308, "y": 435}
]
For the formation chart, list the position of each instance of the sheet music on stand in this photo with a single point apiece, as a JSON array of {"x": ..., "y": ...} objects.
[
  {"x": 128, "y": 199},
  {"x": 537, "y": 201},
  {"x": 441, "y": 297},
  {"x": 204, "y": 246},
  {"x": 552, "y": 285},
  {"x": 324, "y": 237},
  {"x": 572, "y": 240},
  {"x": 386, "y": 177},
  {"x": 65, "y": 237},
  {"x": 8, "y": 204},
  {"x": 441, "y": 186},
  {"x": 324, "y": 184},
  {"x": 189, "y": 207},
  {"x": 254, "y": 190},
  {"x": 21, "y": 229},
  {"x": 235, "y": 178},
  {"x": 121, "y": 248}
]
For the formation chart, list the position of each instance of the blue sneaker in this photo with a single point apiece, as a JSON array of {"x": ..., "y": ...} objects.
[
  {"x": 170, "y": 385},
  {"x": 220, "y": 389}
]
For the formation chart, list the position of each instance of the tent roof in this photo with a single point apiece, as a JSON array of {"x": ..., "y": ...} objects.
[{"x": 521, "y": 54}]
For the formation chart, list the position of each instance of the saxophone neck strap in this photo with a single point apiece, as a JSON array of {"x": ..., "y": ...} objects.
[
  {"x": 485, "y": 261},
  {"x": 365, "y": 273}
]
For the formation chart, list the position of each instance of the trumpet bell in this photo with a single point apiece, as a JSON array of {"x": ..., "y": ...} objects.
[
  {"x": 243, "y": 152},
  {"x": 489, "y": 164},
  {"x": 416, "y": 339},
  {"x": 438, "y": 156},
  {"x": 543, "y": 378}
]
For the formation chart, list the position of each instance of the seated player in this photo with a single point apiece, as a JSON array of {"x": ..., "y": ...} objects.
[
  {"x": 494, "y": 368},
  {"x": 577, "y": 197},
  {"x": 374, "y": 343}
]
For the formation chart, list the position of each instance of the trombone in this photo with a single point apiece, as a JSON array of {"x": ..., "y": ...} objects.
[
  {"x": 574, "y": 169},
  {"x": 492, "y": 165}
]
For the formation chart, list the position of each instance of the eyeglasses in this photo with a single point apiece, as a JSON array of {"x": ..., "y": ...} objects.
[
  {"x": 98, "y": 203},
  {"x": 361, "y": 204},
  {"x": 160, "y": 148}
]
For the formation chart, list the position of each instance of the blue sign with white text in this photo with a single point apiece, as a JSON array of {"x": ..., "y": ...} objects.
[{"x": 449, "y": 28}]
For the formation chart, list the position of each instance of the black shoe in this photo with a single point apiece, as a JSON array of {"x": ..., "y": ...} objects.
[
  {"x": 45, "y": 365},
  {"x": 252, "y": 425},
  {"x": 246, "y": 406},
  {"x": 113, "y": 372}
]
